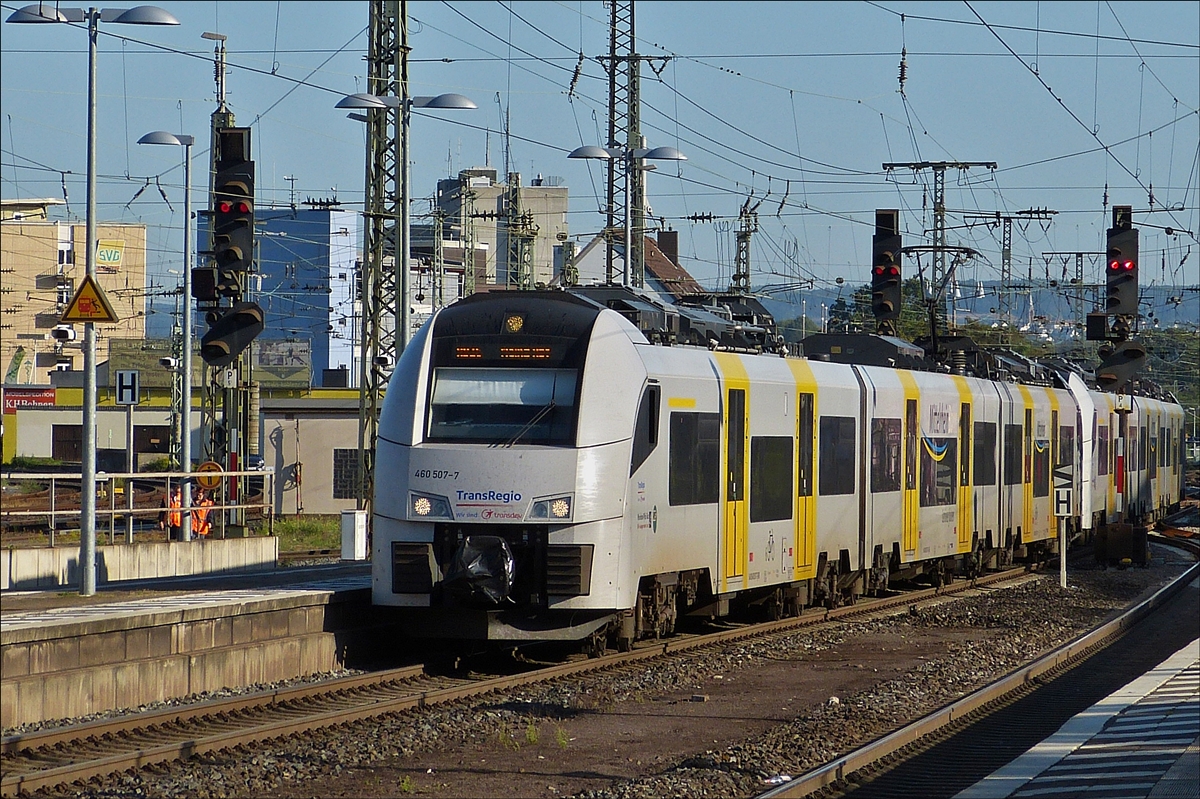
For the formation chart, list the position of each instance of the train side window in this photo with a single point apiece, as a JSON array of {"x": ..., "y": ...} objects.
[
  {"x": 910, "y": 445},
  {"x": 645, "y": 430},
  {"x": 1041, "y": 468},
  {"x": 964, "y": 444},
  {"x": 735, "y": 488},
  {"x": 985, "y": 454},
  {"x": 804, "y": 446},
  {"x": 939, "y": 471},
  {"x": 1028, "y": 445},
  {"x": 770, "y": 478},
  {"x": 1102, "y": 449},
  {"x": 885, "y": 455},
  {"x": 1152, "y": 453},
  {"x": 1066, "y": 446},
  {"x": 836, "y": 462},
  {"x": 1163, "y": 447},
  {"x": 1143, "y": 441},
  {"x": 1012, "y": 454},
  {"x": 694, "y": 465}
]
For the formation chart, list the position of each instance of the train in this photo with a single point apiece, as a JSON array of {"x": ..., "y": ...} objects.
[{"x": 593, "y": 464}]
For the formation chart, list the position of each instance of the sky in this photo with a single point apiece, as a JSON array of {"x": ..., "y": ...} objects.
[{"x": 792, "y": 107}]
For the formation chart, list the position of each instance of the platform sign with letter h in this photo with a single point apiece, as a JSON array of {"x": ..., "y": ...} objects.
[
  {"x": 128, "y": 387},
  {"x": 1064, "y": 502}
]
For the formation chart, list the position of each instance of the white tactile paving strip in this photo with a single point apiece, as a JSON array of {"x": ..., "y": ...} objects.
[
  {"x": 1140, "y": 742},
  {"x": 178, "y": 602}
]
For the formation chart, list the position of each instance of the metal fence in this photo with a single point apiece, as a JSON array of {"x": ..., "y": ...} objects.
[{"x": 128, "y": 502}]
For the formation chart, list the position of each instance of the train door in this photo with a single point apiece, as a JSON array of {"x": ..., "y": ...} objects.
[
  {"x": 804, "y": 566},
  {"x": 736, "y": 511},
  {"x": 986, "y": 425},
  {"x": 884, "y": 498},
  {"x": 910, "y": 509},
  {"x": 965, "y": 520},
  {"x": 1013, "y": 465},
  {"x": 966, "y": 516}
]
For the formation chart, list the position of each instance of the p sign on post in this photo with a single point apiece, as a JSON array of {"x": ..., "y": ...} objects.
[
  {"x": 1064, "y": 505},
  {"x": 129, "y": 394}
]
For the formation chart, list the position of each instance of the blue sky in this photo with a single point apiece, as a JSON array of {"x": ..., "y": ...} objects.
[{"x": 1082, "y": 105}]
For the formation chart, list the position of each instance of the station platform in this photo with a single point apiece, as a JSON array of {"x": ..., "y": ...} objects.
[
  {"x": 66, "y": 656},
  {"x": 1140, "y": 742}
]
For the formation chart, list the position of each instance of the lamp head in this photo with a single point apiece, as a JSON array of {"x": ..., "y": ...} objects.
[{"x": 164, "y": 137}]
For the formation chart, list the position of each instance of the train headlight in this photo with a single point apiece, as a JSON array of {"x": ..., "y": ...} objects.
[
  {"x": 428, "y": 506},
  {"x": 553, "y": 509}
]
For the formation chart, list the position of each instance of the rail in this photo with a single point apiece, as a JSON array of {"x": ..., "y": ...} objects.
[
  {"x": 138, "y": 500},
  {"x": 838, "y": 770}
]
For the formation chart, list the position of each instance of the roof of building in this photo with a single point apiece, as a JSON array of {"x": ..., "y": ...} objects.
[
  {"x": 673, "y": 277},
  {"x": 32, "y": 209}
]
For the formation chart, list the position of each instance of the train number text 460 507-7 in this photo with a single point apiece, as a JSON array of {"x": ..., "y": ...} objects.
[{"x": 435, "y": 474}]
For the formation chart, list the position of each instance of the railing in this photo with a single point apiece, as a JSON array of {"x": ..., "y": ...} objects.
[{"x": 137, "y": 499}]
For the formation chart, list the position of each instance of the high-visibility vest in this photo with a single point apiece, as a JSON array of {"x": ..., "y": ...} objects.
[
  {"x": 200, "y": 524},
  {"x": 174, "y": 517}
]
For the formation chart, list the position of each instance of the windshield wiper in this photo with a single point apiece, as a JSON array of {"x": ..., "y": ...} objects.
[{"x": 537, "y": 417}]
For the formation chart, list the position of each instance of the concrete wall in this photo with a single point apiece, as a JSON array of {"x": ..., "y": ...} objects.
[
  {"x": 69, "y": 670},
  {"x": 58, "y": 567}
]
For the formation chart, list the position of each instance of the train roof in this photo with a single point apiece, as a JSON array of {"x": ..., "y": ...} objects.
[{"x": 737, "y": 322}]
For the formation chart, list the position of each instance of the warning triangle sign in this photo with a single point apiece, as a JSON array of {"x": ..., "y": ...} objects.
[{"x": 90, "y": 305}]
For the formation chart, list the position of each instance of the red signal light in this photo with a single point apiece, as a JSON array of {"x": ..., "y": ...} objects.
[
  {"x": 1114, "y": 265},
  {"x": 243, "y": 207},
  {"x": 893, "y": 271},
  {"x": 879, "y": 270},
  {"x": 1129, "y": 265},
  {"x": 224, "y": 206}
]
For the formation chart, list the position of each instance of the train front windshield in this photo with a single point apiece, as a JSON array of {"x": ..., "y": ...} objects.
[{"x": 503, "y": 405}]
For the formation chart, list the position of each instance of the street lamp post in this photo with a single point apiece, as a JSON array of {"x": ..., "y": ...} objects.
[
  {"x": 402, "y": 231},
  {"x": 628, "y": 159},
  {"x": 139, "y": 15},
  {"x": 185, "y": 360},
  {"x": 372, "y": 276}
]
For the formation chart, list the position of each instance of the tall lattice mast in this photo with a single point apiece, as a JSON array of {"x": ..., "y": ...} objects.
[
  {"x": 382, "y": 283},
  {"x": 624, "y": 134}
]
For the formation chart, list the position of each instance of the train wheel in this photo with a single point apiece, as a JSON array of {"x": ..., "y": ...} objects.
[
  {"x": 775, "y": 605},
  {"x": 597, "y": 643}
]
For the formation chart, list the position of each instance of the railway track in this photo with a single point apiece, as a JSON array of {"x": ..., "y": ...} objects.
[
  {"x": 959, "y": 744},
  {"x": 79, "y": 753}
]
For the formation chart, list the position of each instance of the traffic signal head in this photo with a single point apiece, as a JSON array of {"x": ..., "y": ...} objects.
[
  {"x": 885, "y": 266},
  {"x": 233, "y": 225},
  {"x": 231, "y": 333},
  {"x": 1120, "y": 366},
  {"x": 1121, "y": 272}
]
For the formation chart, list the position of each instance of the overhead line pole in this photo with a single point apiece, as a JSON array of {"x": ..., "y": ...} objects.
[
  {"x": 939, "y": 213},
  {"x": 382, "y": 291}
]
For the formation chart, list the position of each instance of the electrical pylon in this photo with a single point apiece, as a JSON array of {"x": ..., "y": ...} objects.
[{"x": 384, "y": 314}]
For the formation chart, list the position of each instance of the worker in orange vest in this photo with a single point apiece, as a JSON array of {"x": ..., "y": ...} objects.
[
  {"x": 201, "y": 526},
  {"x": 171, "y": 519}
]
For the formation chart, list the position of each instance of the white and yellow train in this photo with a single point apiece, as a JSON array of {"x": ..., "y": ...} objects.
[{"x": 544, "y": 471}]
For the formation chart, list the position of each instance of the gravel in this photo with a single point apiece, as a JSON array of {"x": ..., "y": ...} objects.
[{"x": 987, "y": 634}]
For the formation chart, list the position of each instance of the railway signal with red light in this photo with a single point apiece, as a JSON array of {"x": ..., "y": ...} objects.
[
  {"x": 885, "y": 271},
  {"x": 1121, "y": 275},
  {"x": 233, "y": 225}
]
